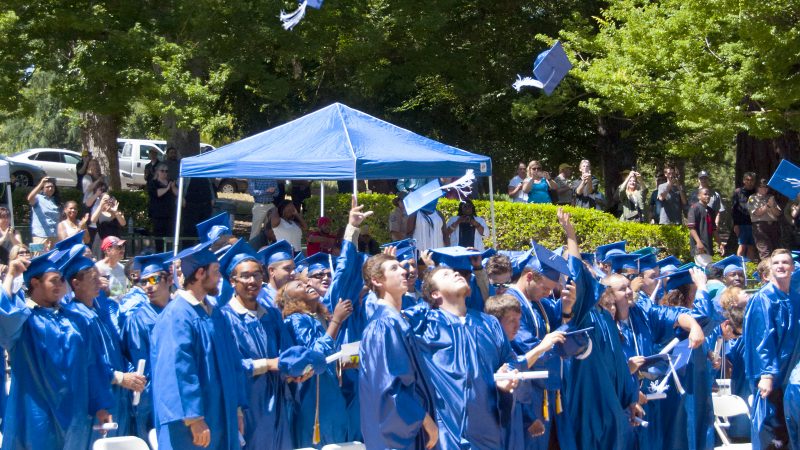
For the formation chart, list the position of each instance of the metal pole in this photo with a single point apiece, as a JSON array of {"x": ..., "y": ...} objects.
[
  {"x": 178, "y": 217},
  {"x": 322, "y": 198},
  {"x": 491, "y": 209},
  {"x": 10, "y": 203},
  {"x": 355, "y": 187}
]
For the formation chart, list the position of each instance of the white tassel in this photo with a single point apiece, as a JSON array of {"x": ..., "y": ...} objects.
[
  {"x": 463, "y": 185},
  {"x": 289, "y": 20},
  {"x": 674, "y": 372},
  {"x": 527, "y": 81}
]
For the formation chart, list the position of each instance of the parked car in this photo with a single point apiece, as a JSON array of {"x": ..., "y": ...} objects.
[
  {"x": 134, "y": 154},
  {"x": 58, "y": 163},
  {"x": 24, "y": 174}
]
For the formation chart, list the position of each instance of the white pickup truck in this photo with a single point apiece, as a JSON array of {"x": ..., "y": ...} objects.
[{"x": 134, "y": 154}]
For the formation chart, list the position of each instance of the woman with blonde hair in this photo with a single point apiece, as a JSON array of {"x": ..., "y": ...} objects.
[{"x": 538, "y": 184}]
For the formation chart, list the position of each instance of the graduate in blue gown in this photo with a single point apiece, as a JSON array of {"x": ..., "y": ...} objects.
[
  {"x": 771, "y": 327},
  {"x": 461, "y": 350},
  {"x": 396, "y": 399},
  {"x": 57, "y": 375},
  {"x": 280, "y": 269},
  {"x": 88, "y": 300},
  {"x": 137, "y": 332},
  {"x": 258, "y": 330},
  {"x": 319, "y": 419},
  {"x": 198, "y": 382}
]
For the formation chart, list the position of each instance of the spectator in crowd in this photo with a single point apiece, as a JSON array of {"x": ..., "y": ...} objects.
[
  {"x": 398, "y": 219},
  {"x": 703, "y": 181},
  {"x": 701, "y": 222},
  {"x": 162, "y": 192},
  {"x": 173, "y": 164},
  {"x": 70, "y": 225},
  {"x": 8, "y": 236},
  {"x": 263, "y": 192},
  {"x": 199, "y": 197},
  {"x": 793, "y": 217},
  {"x": 111, "y": 267},
  {"x": 91, "y": 181},
  {"x": 81, "y": 167},
  {"x": 44, "y": 212},
  {"x": 366, "y": 243},
  {"x": 288, "y": 224},
  {"x": 150, "y": 167},
  {"x": 467, "y": 229},
  {"x": 322, "y": 240},
  {"x": 585, "y": 187},
  {"x": 110, "y": 221},
  {"x": 764, "y": 215},
  {"x": 632, "y": 194},
  {"x": 563, "y": 180},
  {"x": 655, "y": 203},
  {"x": 301, "y": 190},
  {"x": 672, "y": 198},
  {"x": 515, "y": 185},
  {"x": 742, "y": 225},
  {"x": 538, "y": 184}
]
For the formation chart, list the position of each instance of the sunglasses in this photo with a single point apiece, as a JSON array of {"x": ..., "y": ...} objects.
[
  {"x": 500, "y": 285},
  {"x": 320, "y": 275},
  {"x": 152, "y": 280}
]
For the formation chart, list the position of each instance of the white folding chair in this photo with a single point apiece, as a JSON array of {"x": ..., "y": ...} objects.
[
  {"x": 153, "y": 438},
  {"x": 726, "y": 406},
  {"x": 120, "y": 443},
  {"x": 355, "y": 445}
]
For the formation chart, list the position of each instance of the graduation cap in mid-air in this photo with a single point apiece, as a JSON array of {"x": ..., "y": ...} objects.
[
  {"x": 786, "y": 179},
  {"x": 289, "y": 20},
  {"x": 426, "y": 197},
  {"x": 549, "y": 68},
  {"x": 297, "y": 360}
]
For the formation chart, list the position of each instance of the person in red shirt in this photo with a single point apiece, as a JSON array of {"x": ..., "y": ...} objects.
[{"x": 322, "y": 240}]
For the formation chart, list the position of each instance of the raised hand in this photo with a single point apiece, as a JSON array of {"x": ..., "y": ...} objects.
[{"x": 356, "y": 216}]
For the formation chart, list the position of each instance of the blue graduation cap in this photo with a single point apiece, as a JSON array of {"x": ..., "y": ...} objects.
[
  {"x": 320, "y": 261},
  {"x": 577, "y": 344},
  {"x": 518, "y": 260},
  {"x": 456, "y": 257},
  {"x": 786, "y": 179},
  {"x": 238, "y": 252},
  {"x": 647, "y": 262},
  {"x": 46, "y": 262},
  {"x": 588, "y": 257},
  {"x": 213, "y": 228},
  {"x": 676, "y": 280},
  {"x": 623, "y": 262},
  {"x": 604, "y": 251},
  {"x": 732, "y": 263},
  {"x": 655, "y": 366},
  {"x": 547, "y": 263},
  {"x": 426, "y": 197},
  {"x": 403, "y": 243},
  {"x": 72, "y": 263},
  {"x": 687, "y": 266},
  {"x": 297, "y": 360},
  {"x": 152, "y": 264},
  {"x": 669, "y": 261},
  {"x": 300, "y": 262},
  {"x": 407, "y": 254},
  {"x": 549, "y": 68},
  {"x": 291, "y": 19},
  {"x": 66, "y": 244},
  {"x": 646, "y": 251},
  {"x": 195, "y": 257},
  {"x": 277, "y": 252}
]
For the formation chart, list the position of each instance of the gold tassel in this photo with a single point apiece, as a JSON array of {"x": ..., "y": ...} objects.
[
  {"x": 315, "y": 440},
  {"x": 559, "y": 410},
  {"x": 546, "y": 407}
]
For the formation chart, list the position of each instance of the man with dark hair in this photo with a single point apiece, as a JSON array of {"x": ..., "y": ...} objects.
[
  {"x": 701, "y": 222},
  {"x": 198, "y": 380},
  {"x": 742, "y": 225},
  {"x": 672, "y": 198}
]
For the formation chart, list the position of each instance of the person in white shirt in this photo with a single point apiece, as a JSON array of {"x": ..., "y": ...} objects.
[
  {"x": 515, "y": 185},
  {"x": 110, "y": 267}
]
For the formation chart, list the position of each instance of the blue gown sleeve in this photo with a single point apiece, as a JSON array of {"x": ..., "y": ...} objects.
[
  {"x": 347, "y": 282},
  {"x": 13, "y": 314},
  {"x": 309, "y": 333},
  {"x": 760, "y": 339},
  {"x": 587, "y": 288},
  {"x": 136, "y": 341},
  {"x": 662, "y": 320},
  {"x": 705, "y": 313}
]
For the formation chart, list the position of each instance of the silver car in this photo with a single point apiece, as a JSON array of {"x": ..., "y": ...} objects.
[{"x": 58, "y": 163}]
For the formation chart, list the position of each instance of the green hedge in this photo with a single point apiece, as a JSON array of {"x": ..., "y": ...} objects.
[{"x": 517, "y": 223}]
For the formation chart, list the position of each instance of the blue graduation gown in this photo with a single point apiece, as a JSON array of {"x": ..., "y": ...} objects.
[
  {"x": 57, "y": 378},
  {"x": 136, "y": 345},
  {"x": 460, "y": 359},
  {"x": 394, "y": 393},
  {"x": 333, "y": 419},
  {"x": 129, "y": 302},
  {"x": 267, "y": 296},
  {"x": 267, "y": 418},
  {"x": 103, "y": 328},
  {"x": 771, "y": 331},
  {"x": 197, "y": 372}
]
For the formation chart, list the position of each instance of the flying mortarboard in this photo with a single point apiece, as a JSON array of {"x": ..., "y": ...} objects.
[
  {"x": 277, "y": 252},
  {"x": 547, "y": 263},
  {"x": 426, "y": 197},
  {"x": 195, "y": 257},
  {"x": 602, "y": 252},
  {"x": 297, "y": 360},
  {"x": 152, "y": 264},
  {"x": 238, "y": 252},
  {"x": 289, "y": 20},
  {"x": 786, "y": 179},
  {"x": 213, "y": 228},
  {"x": 549, "y": 68},
  {"x": 46, "y": 262}
]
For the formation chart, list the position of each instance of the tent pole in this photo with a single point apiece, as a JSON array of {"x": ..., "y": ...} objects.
[
  {"x": 179, "y": 207},
  {"x": 491, "y": 209},
  {"x": 322, "y": 198},
  {"x": 355, "y": 187},
  {"x": 10, "y": 203}
]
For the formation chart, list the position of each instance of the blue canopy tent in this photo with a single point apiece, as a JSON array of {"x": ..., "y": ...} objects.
[{"x": 335, "y": 143}]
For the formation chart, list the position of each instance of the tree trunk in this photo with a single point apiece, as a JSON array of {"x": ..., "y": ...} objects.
[
  {"x": 99, "y": 136},
  {"x": 616, "y": 155},
  {"x": 187, "y": 142},
  {"x": 762, "y": 156}
]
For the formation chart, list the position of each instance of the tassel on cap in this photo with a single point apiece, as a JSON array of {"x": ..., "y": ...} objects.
[
  {"x": 289, "y": 20},
  {"x": 316, "y": 438},
  {"x": 545, "y": 407}
]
